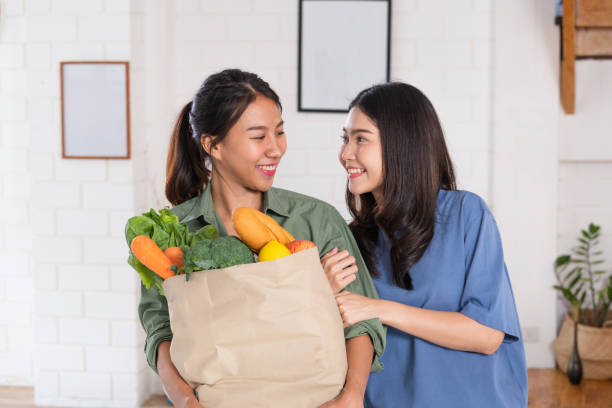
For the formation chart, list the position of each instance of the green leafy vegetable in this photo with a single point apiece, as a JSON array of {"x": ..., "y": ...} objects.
[{"x": 216, "y": 253}]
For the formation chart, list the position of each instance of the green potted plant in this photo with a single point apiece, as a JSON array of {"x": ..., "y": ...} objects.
[{"x": 585, "y": 339}]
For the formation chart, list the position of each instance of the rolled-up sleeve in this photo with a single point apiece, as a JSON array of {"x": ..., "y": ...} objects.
[
  {"x": 154, "y": 317},
  {"x": 342, "y": 237}
]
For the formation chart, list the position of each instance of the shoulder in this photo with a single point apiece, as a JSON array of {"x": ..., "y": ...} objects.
[
  {"x": 296, "y": 204},
  {"x": 185, "y": 208},
  {"x": 462, "y": 204}
]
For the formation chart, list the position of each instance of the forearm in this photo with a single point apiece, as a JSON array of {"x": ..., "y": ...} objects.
[
  {"x": 359, "y": 353},
  {"x": 452, "y": 330},
  {"x": 178, "y": 390}
]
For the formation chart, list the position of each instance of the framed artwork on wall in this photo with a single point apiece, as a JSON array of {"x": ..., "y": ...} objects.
[
  {"x": 344, "y": 47},
  {"x": 95, "y": 109}
]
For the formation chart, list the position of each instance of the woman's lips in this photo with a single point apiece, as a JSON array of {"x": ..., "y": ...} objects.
[
  {"x": 354, "y": 172},
  {"x": 268, "y": 170}
]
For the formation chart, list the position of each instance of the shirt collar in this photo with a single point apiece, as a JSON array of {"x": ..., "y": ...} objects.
[{"x": 204, "y": 207}]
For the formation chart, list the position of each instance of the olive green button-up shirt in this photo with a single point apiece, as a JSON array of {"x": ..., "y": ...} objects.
[{"x": 305, "y": 218}]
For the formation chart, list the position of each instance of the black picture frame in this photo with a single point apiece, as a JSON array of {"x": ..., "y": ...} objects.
[{"x": 305, "y": 103}]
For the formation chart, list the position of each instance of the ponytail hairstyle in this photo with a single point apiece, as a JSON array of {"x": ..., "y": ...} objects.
[
  {"x": 416, "y": 165},
  {"x": 215, "y": 108}
]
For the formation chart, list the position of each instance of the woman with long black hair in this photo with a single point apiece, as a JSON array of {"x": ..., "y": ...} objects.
[
  {"x": 224, "y": 152},
  {"x": 436, "y": 258}
]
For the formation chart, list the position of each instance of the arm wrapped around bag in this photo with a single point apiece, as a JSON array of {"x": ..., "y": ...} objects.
[{"x": 267, "y": 334}]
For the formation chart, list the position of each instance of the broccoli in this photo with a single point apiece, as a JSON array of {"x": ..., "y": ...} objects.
[{"x": 216, "y": 253}]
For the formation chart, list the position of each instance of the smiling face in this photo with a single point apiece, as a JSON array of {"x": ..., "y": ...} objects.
[
  {"x": 361, "y": 154},
  {"x": 249, "y": 154}
]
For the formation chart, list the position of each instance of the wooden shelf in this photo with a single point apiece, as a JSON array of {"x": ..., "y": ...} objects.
[{"x": 586, "y": 32}]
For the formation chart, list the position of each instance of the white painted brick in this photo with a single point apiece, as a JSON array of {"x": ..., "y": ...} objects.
[
  {"x": 15, "y": 364},
  {"x": 186, "y": 7},
  {"x": 60, "y": 304},
  {"x": 14, "y": 212},
  {"x": 108, "y": 196},
  {"x": 447, "y": 53},
  {"x": 118, "y": 50},
  {"x": 254, "y": 28},
  {"x": 275, "y": 7},
  {"x": 224, "y": 7},
  {"x": 325, "y": 162},
  {"x": 14, "y": 82},
  {"x": 56, "y": 195},
  {"x": 117, "y": 7},
  {"x": 15, "y": 313},
  {"x": 43, "y": 221},
  {"x": 46, "y": 138},
  {"x": 112, "y": 359},
  {"x": 19, "y": 289},
  {"x": 59, "y": 357},
  {"x": 85, "y": 332},
  {"x": 125, "y": 333},
  {"x": 83, "y": 277},
  {"x": 275, "y": 54},
  {"x": 582, "y": 194},
  {"x": 80, "y": 170},
  {"x": 37, "y": 7},
  {"x": 104, "y": 250},
  {"x": 21, "y": 339},
  {"x": 3, "y": 339},
  {"x": 46, "y": 330},
  {"x": 17, "y": 187},
  {"x": 43, "y": 109},
  {"x": 13, "y": 161},
  {"x": 38, "y": 56},
  {"x": 2, "y": 294},
  {"x": 468, "y": 81},
  {"x": 482, "y": 55},
  {"x": 124, "y": 278},
  {"x": 105, "y": 28},
  {"x": 13, "y": 262},
  {"x": 42, "y": 165},
  {"x": 294, "y": 162},
  {"x": 16, "y": 134},
  {"x": 11, "y": 56},
  {"x": 403, "y": 54},
  {"x": 118, "y": 219},
  {"x": 46, "y": 384},
  {"x": 14, "y": 30},
  {"x": 13, "y": 107},
  {"x": 408, "y": 26},
  {"x": 79, "y": 222},
  {"x": 77, "y": 7},
  {"x": 125, "y": 387},
  {"x": 13, "y": 7},
  {"x": 472, "y": 26},
  {"x": 79, "y": 51},
  {"x": 195, "y": 28},
  {"x": 56, "y": 28},
  {"x": 85, "y": 385},
  {"x": 43, "y": 83},
  {"x": 111, "y": 305},
  {"x": 45, "y": 276},
  {"x": 120, "y": 171}
]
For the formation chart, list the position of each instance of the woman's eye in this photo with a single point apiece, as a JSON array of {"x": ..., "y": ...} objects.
[
  {"x": 280, "y": 133},
  {"x": 361, "y": 139},
  {"x": 343, "y": 139},
  {"x": 259, "y": 137}
]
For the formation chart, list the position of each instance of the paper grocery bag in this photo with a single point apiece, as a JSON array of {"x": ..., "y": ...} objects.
[{"x": 266, "y": 334}]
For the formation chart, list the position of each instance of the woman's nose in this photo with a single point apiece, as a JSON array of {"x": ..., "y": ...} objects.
[
  {"x": 346, "y": 152},
  {"x": 274, "y": 147}
]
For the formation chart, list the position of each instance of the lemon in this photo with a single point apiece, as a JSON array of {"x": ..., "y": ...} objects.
[{"x": 272, "y": 250}]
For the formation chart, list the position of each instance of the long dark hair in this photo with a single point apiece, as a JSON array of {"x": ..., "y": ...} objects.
[
  {"x": 416, "y": 165},
  {"x": 215, "y": 108}
]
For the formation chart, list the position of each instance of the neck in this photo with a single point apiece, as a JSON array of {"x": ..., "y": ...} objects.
[{"x": 228, "y": 196}]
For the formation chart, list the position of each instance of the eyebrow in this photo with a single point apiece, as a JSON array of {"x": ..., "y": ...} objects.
[
  {"x": 262, "y": 127},
  {"x": 358, "y": 131}
]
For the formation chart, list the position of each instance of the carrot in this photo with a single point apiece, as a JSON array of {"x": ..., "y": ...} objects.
[
  {"x": 147, "y": 252},
  {"x": 175, "y": 254}
]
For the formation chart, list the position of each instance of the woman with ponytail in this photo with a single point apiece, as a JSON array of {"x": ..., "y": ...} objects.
[
  {"x": 226, "y": 146},
  {"x": 453, "y": 336}
]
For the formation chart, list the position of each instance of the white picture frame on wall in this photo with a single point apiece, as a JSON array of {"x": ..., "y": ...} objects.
[
  {"x": 344, "y": 47},
  {"x": 95, "y": 113}
]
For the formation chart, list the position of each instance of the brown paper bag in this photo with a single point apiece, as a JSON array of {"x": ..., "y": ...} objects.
[{"x": 266, "y": 334}]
